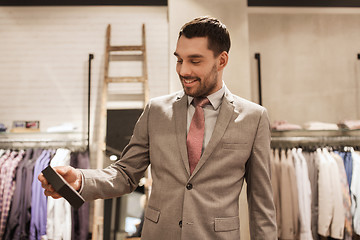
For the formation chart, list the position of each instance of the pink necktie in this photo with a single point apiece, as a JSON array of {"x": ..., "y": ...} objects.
[{"x": 195, "y": 135}]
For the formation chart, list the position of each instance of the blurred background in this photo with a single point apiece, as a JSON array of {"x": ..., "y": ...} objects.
[{"x": 299, "y": 59}]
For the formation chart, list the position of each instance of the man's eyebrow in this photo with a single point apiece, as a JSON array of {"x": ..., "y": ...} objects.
[
  {"x": 196, "y": 56},
  {"x": 190, "y": 56}
]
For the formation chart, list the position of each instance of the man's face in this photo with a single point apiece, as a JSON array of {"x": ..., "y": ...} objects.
[{"x": 197, "y": 67}]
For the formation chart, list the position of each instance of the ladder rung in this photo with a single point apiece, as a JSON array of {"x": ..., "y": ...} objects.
[
  {"x": 126, "y": 48},
  {"x": 125, "y": 97},
  {"x": 127, "y": 57},
  {"x": 125, "y": 79}
]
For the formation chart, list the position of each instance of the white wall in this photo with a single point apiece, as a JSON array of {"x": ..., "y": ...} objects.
[
  {"x": 44, "y": 58},
  {"x": 310, "y": 70}
]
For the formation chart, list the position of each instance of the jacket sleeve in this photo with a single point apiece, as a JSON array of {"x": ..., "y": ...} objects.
[
  {"x": 258, "y": 177},
  {"x": 124, "y": 175}
]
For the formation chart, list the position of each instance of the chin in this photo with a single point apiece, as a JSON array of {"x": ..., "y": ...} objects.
[{"x": 188, "y": 93}]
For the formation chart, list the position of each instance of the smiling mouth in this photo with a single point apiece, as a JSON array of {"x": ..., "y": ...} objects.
[{"x": 189, "y": 80}]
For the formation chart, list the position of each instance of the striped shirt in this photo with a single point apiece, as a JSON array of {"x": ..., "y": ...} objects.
[{"x": 8, "y": 171}]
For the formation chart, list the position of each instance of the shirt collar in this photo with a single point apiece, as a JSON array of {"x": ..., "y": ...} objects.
[{"x": 214, "y": 98}]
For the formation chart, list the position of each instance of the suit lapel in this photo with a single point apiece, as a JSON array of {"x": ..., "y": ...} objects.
[
  {"x": 180, "y": 114},
  {"x": 224, "y": 117}
]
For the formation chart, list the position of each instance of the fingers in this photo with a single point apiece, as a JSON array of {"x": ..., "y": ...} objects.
[
  {"x": 44, "y": 183},
  {"x": 52, "y": 194},
  {"x": 48, "y": 189},
  {"x": 70, "y": 174}
]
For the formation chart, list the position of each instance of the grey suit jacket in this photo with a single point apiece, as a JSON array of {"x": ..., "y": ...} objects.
[{"x": 204, "y": 205}]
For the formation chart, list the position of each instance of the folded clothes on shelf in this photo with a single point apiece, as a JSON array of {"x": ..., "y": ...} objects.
[
  {"x": 350, "y": 124},
  {"x": 314, "y": 125},
  {"x": 2, "y": 127},
  {"x": 283, "y": 125},
  {"x": 65, "y": 127}
]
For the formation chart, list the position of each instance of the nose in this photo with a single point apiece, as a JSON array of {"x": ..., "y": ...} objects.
[{"x": 184, "y": 69}]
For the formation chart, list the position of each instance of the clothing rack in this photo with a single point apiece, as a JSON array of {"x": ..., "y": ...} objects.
[
  {"x": 315, "y": 141},
  {"x": 45, "y": 142},
  {"x": 258, "y": 58},
  {"x": 91, "y": 57}
]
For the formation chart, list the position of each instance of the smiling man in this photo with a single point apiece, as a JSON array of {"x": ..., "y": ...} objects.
[
  {"x": 202, "y": 143},
  {"x": 200, "y": 71}
]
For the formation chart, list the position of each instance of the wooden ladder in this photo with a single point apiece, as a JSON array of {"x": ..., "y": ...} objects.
[{"x": 112, "y": 54}]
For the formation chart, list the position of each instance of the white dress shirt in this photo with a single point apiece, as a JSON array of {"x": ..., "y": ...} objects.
[
  {"x": 211, "y": 112},
  {"x": 331, "y": 219},
  {"x": 58, "y": 225},
  {"x": 338, "y": 220},
  {"x": 304, "y": 195}
]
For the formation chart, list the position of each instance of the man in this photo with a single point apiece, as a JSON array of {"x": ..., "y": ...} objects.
[{"x": 193, "y": 197}]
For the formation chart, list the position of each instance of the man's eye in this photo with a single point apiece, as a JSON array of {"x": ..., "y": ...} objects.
[
  {"x": 179, "y": 61},
  {"x": 195, "y": 62}
]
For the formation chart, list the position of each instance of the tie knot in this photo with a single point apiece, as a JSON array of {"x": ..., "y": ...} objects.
[{"x": 201, "y": 101}]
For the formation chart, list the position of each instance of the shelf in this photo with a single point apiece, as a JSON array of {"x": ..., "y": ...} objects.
[
  {"x": 46, "y": 139},
  {"x": 302, "y": 10},
  {"x": 39, "y": 133},
  {"x": 293, "y": 138},
  {"x": 316, "y": 133}
]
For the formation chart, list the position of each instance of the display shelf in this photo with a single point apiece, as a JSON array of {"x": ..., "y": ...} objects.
[
  {"x": 292, "y": 138},
  {"x": 314, "y": 133},
  {"x": 45, "y": 139}
]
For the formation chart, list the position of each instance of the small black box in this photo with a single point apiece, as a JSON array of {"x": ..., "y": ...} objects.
[{"x": 63, "y": 188}]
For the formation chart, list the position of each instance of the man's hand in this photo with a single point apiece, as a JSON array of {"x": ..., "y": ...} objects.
[{"x": 70, "y": 174}]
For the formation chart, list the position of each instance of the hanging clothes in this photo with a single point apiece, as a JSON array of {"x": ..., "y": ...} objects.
[
  {"x": 8, "y": 170},
  {"x": 25, "y": 212},
  {"x": 2, "y": 151},
  {"x": 313, "y": 172},
  {"x": 39, "y": 200},
  {"x": 338, "y": 221},
  {"x": 304, "y": 196},
  {"x": 80, "y": 217},
  {"x": 59, "y": 210},
  {"x": 3, "y": 157},
  {"x": 20, "y": 212},
  {"x": 290, "y": 215},
  {"x": 348, "y": 164},
  {"x": 331, "y": 214},
  {"x": 285, "y": 194},
  {"x": 355, "y": 191},
  {"x": 275, "y": 182},
  {"x": 327, "y": 209},
  {"x": 14, "y": 212},
  {"x": 345, "y": 196}
]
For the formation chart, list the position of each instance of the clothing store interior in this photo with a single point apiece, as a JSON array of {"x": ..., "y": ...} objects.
[{"x": 66, "y": 98}]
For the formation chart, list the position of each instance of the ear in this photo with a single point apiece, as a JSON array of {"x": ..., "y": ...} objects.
[{"x": 222, "y": 60}]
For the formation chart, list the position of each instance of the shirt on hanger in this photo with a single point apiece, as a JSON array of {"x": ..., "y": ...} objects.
[
  {"x": 355, "y": 192},
  {"x": 58, "y": 224}
]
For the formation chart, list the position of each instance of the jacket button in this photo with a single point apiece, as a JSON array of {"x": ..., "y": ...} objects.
[
  {"x": 189, "y": 186},
  {"x": 180, "y": 224}
]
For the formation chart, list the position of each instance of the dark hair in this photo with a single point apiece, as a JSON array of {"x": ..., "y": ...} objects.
[{"x": 216, "y": 32}]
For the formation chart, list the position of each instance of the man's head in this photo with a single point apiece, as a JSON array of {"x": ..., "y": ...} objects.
[
  {"x": 211, "y": 28},
  {"x": 202, "y": 53}
]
